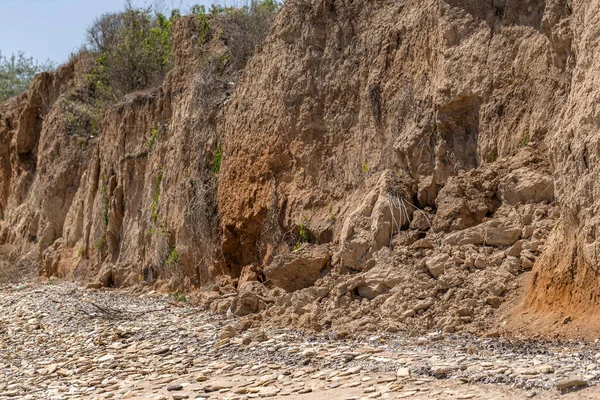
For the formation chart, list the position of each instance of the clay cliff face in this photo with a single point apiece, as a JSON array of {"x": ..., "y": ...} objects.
[
  {"x": 120, "y": 202},
  {"x": 424, "y": 90},
  {"x": 408, "y": 159},
  {"x": 566, "y": 277}
]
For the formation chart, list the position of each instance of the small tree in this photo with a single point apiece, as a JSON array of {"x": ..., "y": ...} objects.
[
  {"x": 134, "y": 49},
  {"x": 17, "y": 72}
]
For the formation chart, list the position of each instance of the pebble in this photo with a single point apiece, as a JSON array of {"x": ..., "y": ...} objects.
[{"x": 61, "y": 342}]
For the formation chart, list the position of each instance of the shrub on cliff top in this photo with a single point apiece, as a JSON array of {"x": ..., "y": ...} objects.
[
  {"x": 134, "y": 50},
  {"x": 245, "y": 27}
]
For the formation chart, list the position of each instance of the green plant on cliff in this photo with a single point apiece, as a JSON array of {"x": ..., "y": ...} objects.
[
  {"x": 365, "y": 167},
  {"x": 173, "y": 259},
  {"x": 526, "y": 139},
  {"x": 81, "y": 115},
  {"x": 243, "y": 27},
  {"x": 105, "y": 199},
  {"x": 156, "y": 197},
  {"x": 133, "y": 49},
  {"x": 154, "y": 207},
  {"x": 100, "y": 243},
  {"x": 153, "y": 138},
  {"x": 179, "y": 297},
  {"x": 202, "y": 20},
  {"x": 303, "y": 235},
  {"x": 217, "y": 158},
  {"x": 17, "y": 73}
]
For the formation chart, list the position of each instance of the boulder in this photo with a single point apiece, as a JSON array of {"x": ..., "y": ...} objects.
[
  {"x": 502, "y": 235},
  {"x": 251, "y": 299},
  {"x": 492, "y": 233},
  {"x": 461, "y": 204},
  {"x": 571, "y": 382},
  {"x": 252, "y": 272},
  {"x": 437, "y": 264},
  {"x": 524, "y": 185},
  {"x": 299, "y": 269},
  {"x": 379, "y": 216},
  {"x": 227, "y": 332}
]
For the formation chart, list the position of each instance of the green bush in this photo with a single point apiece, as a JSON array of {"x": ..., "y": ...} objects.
[
  {"x": 134, "y": 50},
  {"x": 173, "y": 258},
  {"x": 179, "y": 297},
  {"x": 17, "y": 72},
  {"x": 304, "y": 236},
  {"x": 81, "y": 115},
  {"x": 244, "y": 27}
]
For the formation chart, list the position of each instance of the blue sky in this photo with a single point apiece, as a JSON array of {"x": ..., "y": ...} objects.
[{"x": 52, "y": 29}]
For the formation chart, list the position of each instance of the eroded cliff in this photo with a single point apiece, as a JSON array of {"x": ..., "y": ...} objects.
[{"x": 384, "y": 163}]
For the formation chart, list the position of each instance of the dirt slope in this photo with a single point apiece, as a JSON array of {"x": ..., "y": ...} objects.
[{"x": 385, "y": 164}]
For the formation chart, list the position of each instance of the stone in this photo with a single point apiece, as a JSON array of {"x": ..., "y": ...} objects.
[
  {"x": 524, "y": 184},
  {"x": 501, "y": 235},
  {"x": 299, "y": 269},
  {"x": 309, "y": 353},
  {"x": 571, "y": 382},
  {"x": 52, "y": 368},
  {"x": 424, "y": 305},
  {"x": 173, "y": 388},
  {"x": 464, "y": 237},
  {"x": 403, "y": 372},
  {"x": 516, "y": 248},
  {"x": 250, "y": 273},
  {"x": 425, "y": 243},
  {"x": 107, "y": 357},
  {"x": 494, "y": 301},
  {"x": 482, "y": 262},
  {"x": 94, "y": 285},
  {"x": 227, "y": 332},
  {"x": 251, "y": 299},
  {"x": 526, "y": 263},
  {"x": 437, "y": 265},
  {"x": 259, "y": 336}
]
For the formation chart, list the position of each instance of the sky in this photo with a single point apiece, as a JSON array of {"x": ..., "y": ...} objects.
[{"x": 52, "y": 29}]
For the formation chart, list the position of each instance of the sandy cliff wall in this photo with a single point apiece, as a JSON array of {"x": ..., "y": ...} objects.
[
  {"x": 344, "y": 91},
  {"x": 119, "y": 203},
  {"x": 418, "y": 156}
]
